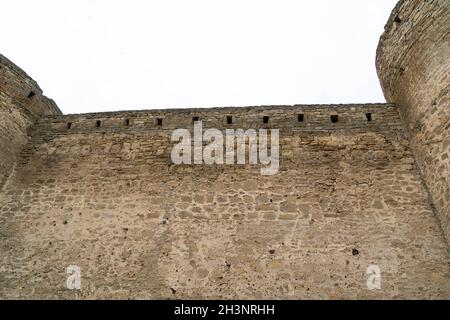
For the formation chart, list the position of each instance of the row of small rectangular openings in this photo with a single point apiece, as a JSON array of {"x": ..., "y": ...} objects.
[
  {"x": 300, "y": 118},
  {"x": 334, "y": 118},
  {"x": 126, "y": 123}
]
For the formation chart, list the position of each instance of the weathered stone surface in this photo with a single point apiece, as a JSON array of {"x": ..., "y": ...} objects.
[
  {"x": 413, "y": 63},
  {"x": 99, "y": 191},
  {"x": 21, "y": 103},
  {"x": 141, "y": 226}
]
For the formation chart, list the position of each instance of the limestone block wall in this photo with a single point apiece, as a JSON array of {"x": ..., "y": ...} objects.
[
  {"x": 21, "y": 103},
  {"x": 105, "y": 196},
  {"x": 413, "y": 62}
]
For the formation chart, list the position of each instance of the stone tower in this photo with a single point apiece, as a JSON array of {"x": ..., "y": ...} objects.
[
  {"x": 21, "y": 104},
  {"x": 413, "y": 62}
]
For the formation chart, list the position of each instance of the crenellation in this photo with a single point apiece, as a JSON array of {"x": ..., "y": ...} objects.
[{"x": 316, "y": 118}]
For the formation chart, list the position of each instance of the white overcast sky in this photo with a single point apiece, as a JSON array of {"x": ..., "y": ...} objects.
[{"x": 105, "y": 55}]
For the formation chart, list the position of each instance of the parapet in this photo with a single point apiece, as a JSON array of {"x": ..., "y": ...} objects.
[{"x": 287, "y": 118}]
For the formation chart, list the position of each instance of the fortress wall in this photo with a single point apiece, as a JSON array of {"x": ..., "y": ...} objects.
[
  {"x": 21, "y": 103},
  {"x": 413, "y": 63},
  {"x": 108, "y": 199}
]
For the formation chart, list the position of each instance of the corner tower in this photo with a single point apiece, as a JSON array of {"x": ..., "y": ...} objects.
[
  {"x": 21, "y": 104},
  {"x": 413, "y": 64}
]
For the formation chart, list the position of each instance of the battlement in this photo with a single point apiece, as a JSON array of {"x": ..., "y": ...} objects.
[{"x": 312, "y": 118}]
